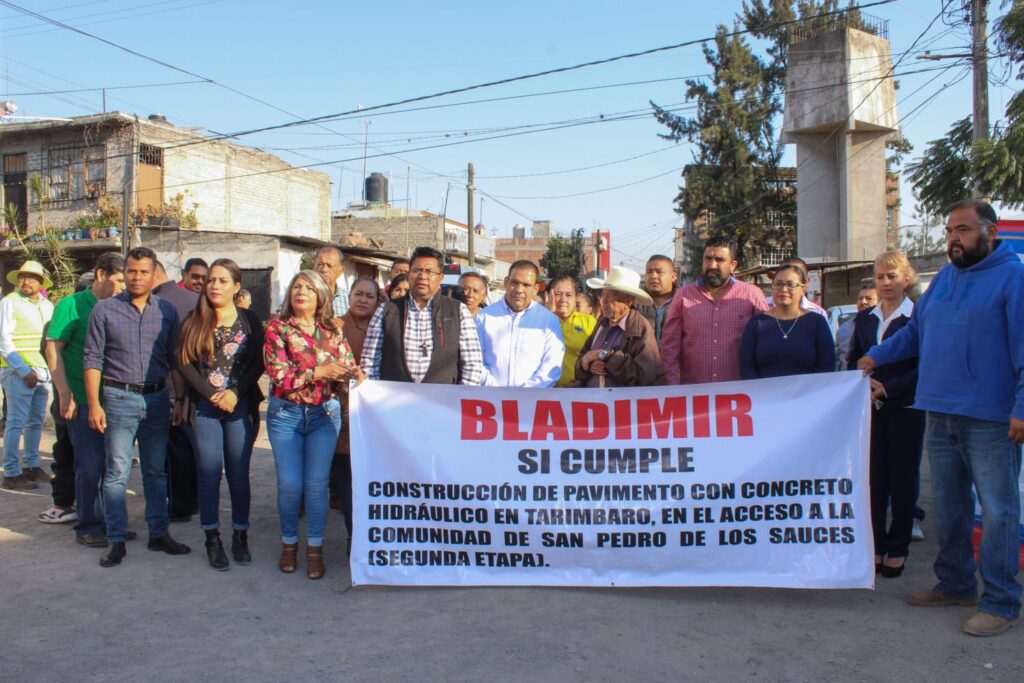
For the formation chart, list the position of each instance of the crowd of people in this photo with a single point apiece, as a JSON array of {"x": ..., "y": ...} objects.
[{"x": 175, "y": 367}]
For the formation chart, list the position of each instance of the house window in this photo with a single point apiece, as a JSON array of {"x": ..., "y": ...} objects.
[
  {"x": 151, "y": 154},
  {"x": 77, "y": 173}
]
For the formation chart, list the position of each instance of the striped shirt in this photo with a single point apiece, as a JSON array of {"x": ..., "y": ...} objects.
[
  {"x": 419, "y": 344},
  {"x": 339, "y": 303},
  {"x": 701, "y": 339}
]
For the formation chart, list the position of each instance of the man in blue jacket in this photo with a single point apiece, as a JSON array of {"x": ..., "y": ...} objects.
[{"x": 968, "y": 330}]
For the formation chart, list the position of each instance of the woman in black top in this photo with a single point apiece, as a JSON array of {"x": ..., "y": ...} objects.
[
  {"x": 897, "y": 430},
  {"x": 221, "y": 361},
  {"x": 786, "y": 340}
]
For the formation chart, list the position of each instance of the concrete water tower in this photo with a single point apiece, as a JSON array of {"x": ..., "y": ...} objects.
[{"x": 840, "y": 112}]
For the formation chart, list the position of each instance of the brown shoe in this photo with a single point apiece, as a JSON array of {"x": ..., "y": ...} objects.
[
  {"x": 18, "y": 483},
  {"x": 985, "y": 624},
  {"x": 37, "y": 474},
  {"x": 315, "y": 561},
  {"x": 933, "y": 598},
  {"x": 289, "y": 557}
]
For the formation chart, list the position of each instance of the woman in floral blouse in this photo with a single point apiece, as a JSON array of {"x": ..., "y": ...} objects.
[
  {"x": 306, "y": 357},
  {"x": 220, "y": 361}
]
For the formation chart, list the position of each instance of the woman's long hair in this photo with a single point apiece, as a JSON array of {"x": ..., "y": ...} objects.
[
  {"x": 324, "y": 312},
  {"x": 199, "y": 326}
]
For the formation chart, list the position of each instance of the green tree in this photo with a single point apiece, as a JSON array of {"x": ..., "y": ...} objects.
[
  {"x": 564, "y": 255},
  {"x": 943, "y": 175},
  {"x": 734, "y": 131},
  {"x": 926, "y": 236},
  {"x": 950, "y": 166}
]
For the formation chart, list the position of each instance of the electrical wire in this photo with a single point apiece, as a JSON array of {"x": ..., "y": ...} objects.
[{"x": 364, "y": 110}]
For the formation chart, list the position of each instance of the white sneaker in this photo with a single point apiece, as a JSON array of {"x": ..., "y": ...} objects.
[
  {"x": 56, "y": 515},
  {"x": 917, "y": 533}
]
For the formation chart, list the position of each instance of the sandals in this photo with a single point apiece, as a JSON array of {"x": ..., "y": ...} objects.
[
  {"x": 315, "y": 562},
  {"x": 289, "y": 557}
]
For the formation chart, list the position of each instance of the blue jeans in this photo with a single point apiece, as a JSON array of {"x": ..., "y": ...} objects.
[
  {"x": 302, "y": 438},
  {"x": 223, "y": 441},
  {"x": 26, "y": 410},
  {"x": 90, "y": 466},
  {"x": 147, "y": 417},
  {"x": 966, "y": 451}
]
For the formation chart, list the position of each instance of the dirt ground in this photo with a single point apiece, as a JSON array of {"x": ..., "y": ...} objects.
[{"x": 158, "y": 617}]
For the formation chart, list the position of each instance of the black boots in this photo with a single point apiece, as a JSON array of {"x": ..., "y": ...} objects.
[
  {"x": 113, "y": 555},
  {"x": 240, "y": 547},
  {"x": 215, "y": 551}
]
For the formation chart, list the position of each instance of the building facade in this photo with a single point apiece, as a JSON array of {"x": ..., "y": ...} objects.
[{"x": 187, "y": 194}]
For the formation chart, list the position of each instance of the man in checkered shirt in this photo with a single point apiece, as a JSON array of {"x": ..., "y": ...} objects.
[
  {"x": 424, "y": 337},
  {"x": 700, "y": 342}
]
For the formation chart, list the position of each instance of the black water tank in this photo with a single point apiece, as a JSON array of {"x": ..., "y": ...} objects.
[{"x": 377, "y": 188}]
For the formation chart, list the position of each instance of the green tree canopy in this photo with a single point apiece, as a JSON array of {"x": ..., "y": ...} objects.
[{"x": 564, "y": 255}]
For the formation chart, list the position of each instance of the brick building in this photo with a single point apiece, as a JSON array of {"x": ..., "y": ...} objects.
[
  {"x": 399, "y": 231},
  {"x": 519, "y": 246}
]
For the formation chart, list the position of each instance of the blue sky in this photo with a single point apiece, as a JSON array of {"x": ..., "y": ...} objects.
[{"x": 313, "y": 58}]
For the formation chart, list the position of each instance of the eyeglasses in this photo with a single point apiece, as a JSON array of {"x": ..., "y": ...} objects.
[
  {"x": 416, "y": 272},
  {"x": 786, "y": 286}
]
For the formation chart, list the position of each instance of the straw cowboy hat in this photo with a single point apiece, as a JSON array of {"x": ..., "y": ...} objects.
[
  {"x": 32, "y": 268},
  {"x": 622, "y": 280}
]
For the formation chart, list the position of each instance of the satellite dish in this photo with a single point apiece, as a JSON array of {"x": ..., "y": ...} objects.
[{"x": 8, "y": 108}]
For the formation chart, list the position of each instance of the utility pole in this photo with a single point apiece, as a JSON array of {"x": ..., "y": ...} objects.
[
  {"x": 597, "y": 255},
  {"x": 979, "y": 52},
  {"x": 469, "y": 220},
  {"x": 408, "y": 208},
  {"x": 979, "y": 62},
  {"x": 129, "y": 186},
  {"x": 366, "y": 142}
]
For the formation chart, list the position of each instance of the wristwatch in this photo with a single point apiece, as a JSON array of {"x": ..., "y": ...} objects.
[{"x": 602, "y": 354}]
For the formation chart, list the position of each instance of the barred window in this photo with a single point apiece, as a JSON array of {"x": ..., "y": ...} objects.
[
  {"x": 77, "y": 173},
  {"x": 151, "y": 154}
]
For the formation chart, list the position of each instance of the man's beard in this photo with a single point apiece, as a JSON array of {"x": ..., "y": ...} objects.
[
  {"x": 714, "y": 278},
  {"x": 969, "y": 257}
]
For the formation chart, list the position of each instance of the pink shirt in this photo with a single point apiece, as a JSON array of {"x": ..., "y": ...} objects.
[{"x": 701, "y": 340}]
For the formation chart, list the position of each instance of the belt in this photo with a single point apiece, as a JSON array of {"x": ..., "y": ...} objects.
[{"x": 143, "y": 388}]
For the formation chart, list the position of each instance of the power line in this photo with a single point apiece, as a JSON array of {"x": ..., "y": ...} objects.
[
  {"x": 109, "y": 87},
  {"x": 421, "y": 98},
  {"x": 603, "y": 189},
  {"x": 123, "y": 12}
]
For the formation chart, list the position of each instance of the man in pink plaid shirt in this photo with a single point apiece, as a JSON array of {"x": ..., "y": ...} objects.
[{"x": 704, "y": 325}]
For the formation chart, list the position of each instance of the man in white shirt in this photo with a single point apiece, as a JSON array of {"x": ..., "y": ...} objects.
[{"x": 521, "y": 340}]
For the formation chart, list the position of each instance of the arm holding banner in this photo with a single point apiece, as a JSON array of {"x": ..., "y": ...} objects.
[
  {"x": 672, "y": 339},
  {"x": 551, "y": 362},
  {"x": 638, "y": 362},
  {"x": 471, "y": 358},
  {"x": 825, "y": 360},
  {"x": 904, "y": 344},
  {"x": 374, "y": 344},
  {"x": 748, "y": 351}
]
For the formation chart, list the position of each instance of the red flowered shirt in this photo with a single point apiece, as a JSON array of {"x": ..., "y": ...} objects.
[{"x": 291, "y": 356}]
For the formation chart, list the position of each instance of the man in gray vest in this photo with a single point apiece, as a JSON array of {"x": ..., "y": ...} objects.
[{"x": 423, "y": 337}]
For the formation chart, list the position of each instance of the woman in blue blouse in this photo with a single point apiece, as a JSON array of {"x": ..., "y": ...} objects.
[{"x": 786, "y": 340}]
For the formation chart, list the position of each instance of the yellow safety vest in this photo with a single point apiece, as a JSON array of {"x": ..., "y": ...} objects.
[{"x": 30, "y": 317}]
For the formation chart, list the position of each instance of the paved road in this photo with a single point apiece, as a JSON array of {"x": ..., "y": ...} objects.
[{"x": 166, "y": 618}]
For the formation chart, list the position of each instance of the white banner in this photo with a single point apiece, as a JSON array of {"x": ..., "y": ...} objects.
[{"x": 761, "y": 483}]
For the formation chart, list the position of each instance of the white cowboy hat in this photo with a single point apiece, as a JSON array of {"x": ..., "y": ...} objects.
[
  {"x": 32, "y": 268},
  {"x": 622, "y": 280}
]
